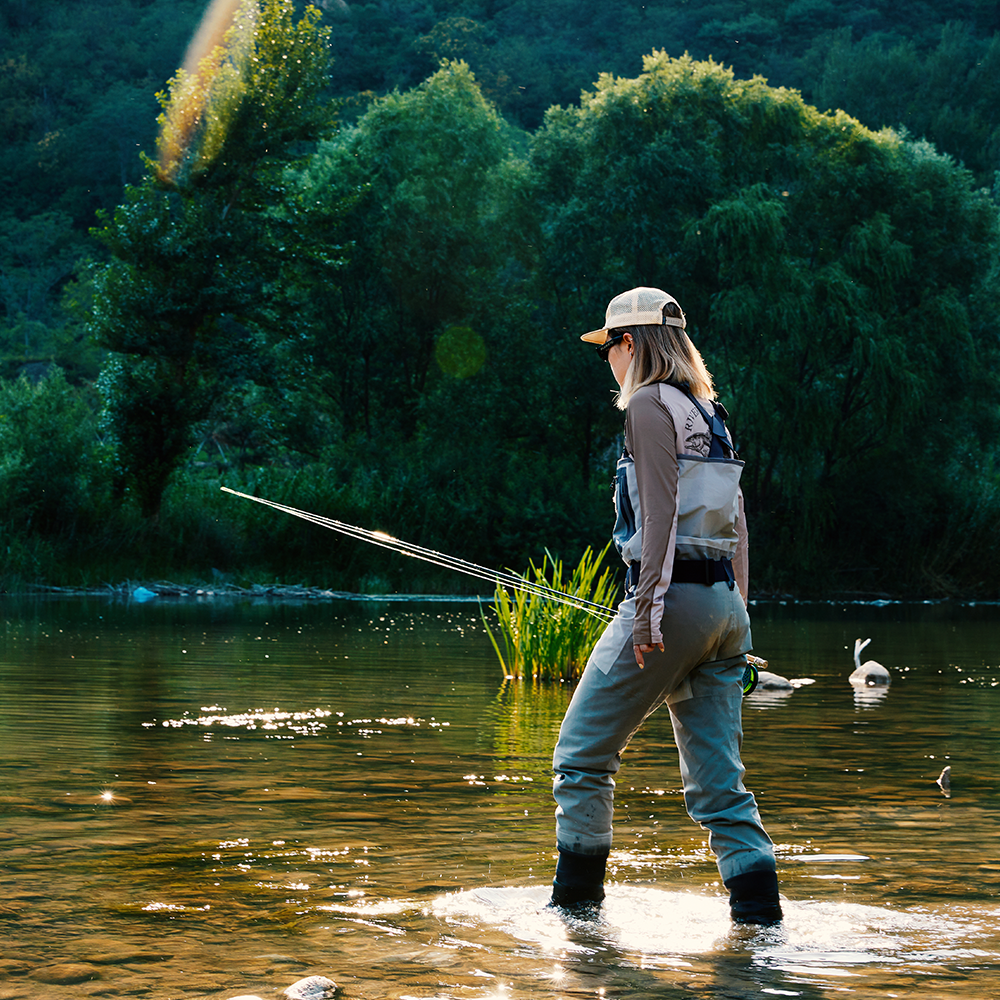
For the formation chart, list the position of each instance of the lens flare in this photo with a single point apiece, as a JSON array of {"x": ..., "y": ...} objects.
[
  {"x": 207, "y": 82},
  {"x": 215, "y": 22},
  {"x": 460, "y": 352}
]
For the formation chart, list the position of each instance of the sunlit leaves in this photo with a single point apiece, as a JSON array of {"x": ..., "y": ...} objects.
[
  {"x": 249, "y": 99},
  {"x": 204, "y": 93},
  {"x": 204, "y": 249}
]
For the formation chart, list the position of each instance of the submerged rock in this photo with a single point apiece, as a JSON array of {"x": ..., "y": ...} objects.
[
  {"x": 768, "y": 681},
  {"x": 311, "y": 988},
  {"x": 66, "y": 973}
]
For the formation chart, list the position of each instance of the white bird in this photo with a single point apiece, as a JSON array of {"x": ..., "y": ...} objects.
[
  {"x": 944, "y": 782},
  {"x": 870, "y": 673}
]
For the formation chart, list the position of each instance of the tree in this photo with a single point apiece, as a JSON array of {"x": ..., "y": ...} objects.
[
  {"x": 430, "y": 176},
  {"x": 948, "y": 94},
  {"x": 199, "y": 246},
  {"x": 428, "y": 363},
  {"x": 50, "y": 464},
  {"x": 835, "y": 277}
]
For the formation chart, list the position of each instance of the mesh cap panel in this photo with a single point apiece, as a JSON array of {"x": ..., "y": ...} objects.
[{"x": 637, "y": 307}]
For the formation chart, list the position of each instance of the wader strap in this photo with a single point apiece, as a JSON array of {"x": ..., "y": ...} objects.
[{"x": 706, "y": 571}]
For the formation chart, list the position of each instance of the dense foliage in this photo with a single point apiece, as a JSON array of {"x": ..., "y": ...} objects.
[
  {"x": 380, "y": 323},
  {"x": 838, "y": 281},
  {"x": 205, "y": 247}
]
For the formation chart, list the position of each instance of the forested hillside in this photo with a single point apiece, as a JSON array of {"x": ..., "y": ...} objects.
[{"x": 377, "y": 318}]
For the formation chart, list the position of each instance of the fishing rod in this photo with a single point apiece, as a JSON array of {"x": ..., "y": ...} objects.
[{"x": 385, "y": 541}]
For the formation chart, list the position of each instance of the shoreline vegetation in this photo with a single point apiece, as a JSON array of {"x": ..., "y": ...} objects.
[
  {"x": 151, "y": 589},
  {"x": 147, "y": 590}
]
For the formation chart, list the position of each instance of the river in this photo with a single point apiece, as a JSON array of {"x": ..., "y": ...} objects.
[{"x": 221, "y": 797}]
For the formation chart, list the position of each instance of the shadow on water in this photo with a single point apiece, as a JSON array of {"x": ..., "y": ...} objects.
[{"x": 217, "y": 799}]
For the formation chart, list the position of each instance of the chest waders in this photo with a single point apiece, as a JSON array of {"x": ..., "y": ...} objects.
[
  {"x": 706, "y": 571},
  {"x": 721, "y": 448}
]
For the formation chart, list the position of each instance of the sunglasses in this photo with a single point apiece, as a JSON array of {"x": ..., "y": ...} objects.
[{"x": 604, "y": 349}]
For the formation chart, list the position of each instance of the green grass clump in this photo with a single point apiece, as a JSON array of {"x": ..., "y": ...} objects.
[{"x": 544, "y": 639}]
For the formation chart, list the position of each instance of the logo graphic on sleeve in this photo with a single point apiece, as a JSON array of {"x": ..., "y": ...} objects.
[{"x": 696, "y": 442}]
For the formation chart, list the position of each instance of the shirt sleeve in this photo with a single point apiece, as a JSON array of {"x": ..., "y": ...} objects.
[
  {"x": 652, "y": 442},
  {"x": 741, "y": 558}
]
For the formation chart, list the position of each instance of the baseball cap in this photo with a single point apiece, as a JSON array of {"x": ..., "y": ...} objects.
[{"x": 636, "y": 307}]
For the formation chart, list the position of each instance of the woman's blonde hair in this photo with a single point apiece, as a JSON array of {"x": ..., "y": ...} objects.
[{"x": 664, "y": 354}]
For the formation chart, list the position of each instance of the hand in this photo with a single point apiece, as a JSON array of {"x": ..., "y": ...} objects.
[{"x": 645, "y": 648}]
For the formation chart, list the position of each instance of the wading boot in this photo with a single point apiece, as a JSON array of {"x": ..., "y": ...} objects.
[
  {"x": 753, "y": 898},
  {"x": 579, "y": 881}
]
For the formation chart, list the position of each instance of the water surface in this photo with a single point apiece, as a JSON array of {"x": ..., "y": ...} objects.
[{"x": 219, "y": 798}]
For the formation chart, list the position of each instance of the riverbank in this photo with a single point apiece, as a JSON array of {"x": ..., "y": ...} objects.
[
  {"x": 147, "y": 591},
  {"x": 131, "y": 590}
]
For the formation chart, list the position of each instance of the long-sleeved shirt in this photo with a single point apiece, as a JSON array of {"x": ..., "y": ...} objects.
[{"x": 673, "y": 501}]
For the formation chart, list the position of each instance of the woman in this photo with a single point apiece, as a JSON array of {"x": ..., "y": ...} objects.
[{"x": 682, "y": 632}]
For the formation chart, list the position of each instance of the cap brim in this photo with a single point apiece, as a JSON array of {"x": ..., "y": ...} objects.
[{"x": 596, "y": 336}]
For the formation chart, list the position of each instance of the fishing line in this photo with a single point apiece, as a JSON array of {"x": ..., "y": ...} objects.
[{"x": 382, "y": 540}]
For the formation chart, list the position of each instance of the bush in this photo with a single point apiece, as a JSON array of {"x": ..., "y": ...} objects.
[{"x": 49, "y": 456}]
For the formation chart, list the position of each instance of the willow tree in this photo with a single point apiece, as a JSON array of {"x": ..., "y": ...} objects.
[
  {"x": 842, "y": 283},
  {"x": 204, "y": 248}
]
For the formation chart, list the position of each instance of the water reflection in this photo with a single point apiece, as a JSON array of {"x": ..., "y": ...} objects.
[
  {"x": 219, "y": 799},
  {"x": 870, "y": 695},
  {"x": 767, "y": 698}
]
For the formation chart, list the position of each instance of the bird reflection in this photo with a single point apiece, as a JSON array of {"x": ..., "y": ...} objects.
[
  {"x": 868, "y": 697},
  {"x": 944, "y": 782}
]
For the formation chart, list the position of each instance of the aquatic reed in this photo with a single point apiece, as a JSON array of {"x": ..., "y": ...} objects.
[{"x": 538, "y": 638}]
